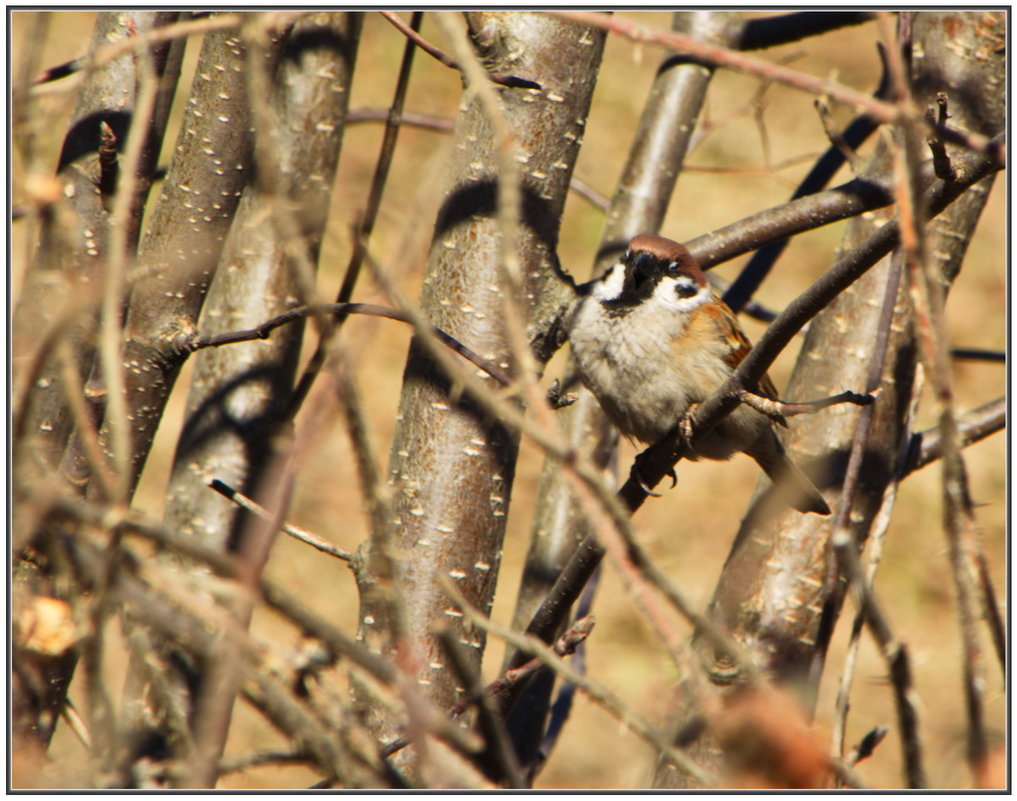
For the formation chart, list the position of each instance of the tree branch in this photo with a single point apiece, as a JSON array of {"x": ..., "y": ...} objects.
[
  {"x": 658, "y": 460},
  {"x": 786, "y": 28},
  {"x": 504, "y": 80},
  {"x": 197, "y": 342}
]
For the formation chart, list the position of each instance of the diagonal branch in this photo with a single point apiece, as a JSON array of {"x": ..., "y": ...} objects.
[
  {"x": 340, "y": 309},
  {"x": 658, "y": 460},
  {"x": 504, "y": 80},
  {"x": 750, "y": 65}
]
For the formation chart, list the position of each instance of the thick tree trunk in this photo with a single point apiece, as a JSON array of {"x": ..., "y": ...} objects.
[
  {"x": 451, "y": 466},
  {"x": 775, "y": 593},
  {"x": 638, "y": 206}
]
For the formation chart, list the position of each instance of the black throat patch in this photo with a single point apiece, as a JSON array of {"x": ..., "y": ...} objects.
[{"x": 642, "y": 273}]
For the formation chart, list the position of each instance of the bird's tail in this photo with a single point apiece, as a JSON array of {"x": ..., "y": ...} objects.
[{"x": 790, "y": 482}]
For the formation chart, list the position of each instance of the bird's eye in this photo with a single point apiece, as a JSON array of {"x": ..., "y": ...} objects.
[
  {"x": 686, "y": 288},
  {"x": 672, "y": 269}
]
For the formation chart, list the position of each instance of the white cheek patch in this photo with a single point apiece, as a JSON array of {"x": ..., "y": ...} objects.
[
  {"x": 610, "y": 287},
  {"x": 670, "y": 292}
]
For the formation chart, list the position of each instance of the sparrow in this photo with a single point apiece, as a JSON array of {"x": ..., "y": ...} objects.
[{"x": 651, "y": 341}]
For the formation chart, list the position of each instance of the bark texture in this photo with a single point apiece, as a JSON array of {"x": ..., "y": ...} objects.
[
  {"x": 65, "y": 277},
  {"x": 178, "y": 255},
  {"x": 638, "y": 206},
  {"x": 774, "y": 594},
  {"x": 239, "y": 394},
  {"x": 60, "y": 300},
  {"x": 451, "y": 467}
]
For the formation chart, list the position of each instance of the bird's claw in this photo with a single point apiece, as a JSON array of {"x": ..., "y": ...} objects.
[{"x": 638, "y": 476}]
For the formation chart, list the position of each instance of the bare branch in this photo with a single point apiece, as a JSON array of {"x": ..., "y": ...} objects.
[
  {"x": 867, "y": 745},
  {"x": 978, "y": 354},
  {"x": 940, "y": 158},
  {"x": 778, "y": 408},
  {"x": 835, "y": 136},
  {"x": 807, "y": 213},
  {"x": 342, "y": 309},
  {"x": 394, "y": 119},
  {"x": 927, "y": 446},
  {"x": 601, "y": 695},
  {"x": 741, "y": 62},
  {"x": 732, "y": 59},
  {"x": 894, "y": 652},
  {"x": 785, "y": 28},
  {"x": 431, "y": 50},
  {"x": 307, "y": 537}
]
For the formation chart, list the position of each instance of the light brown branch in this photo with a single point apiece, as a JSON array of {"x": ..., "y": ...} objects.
[
  {"x": 834, "y": 134},
  {"x": 778, "y": 408},
  {"x": 602, "y": 696},
  {"x": 440, "y": 55},
  {"x": 750, "y": 65},
  {"x": 297, "y": 533},
  {"x": 262, "y": 331}
]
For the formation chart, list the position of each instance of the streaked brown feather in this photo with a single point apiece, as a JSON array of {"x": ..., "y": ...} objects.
[{"x": 736, "y": 345}]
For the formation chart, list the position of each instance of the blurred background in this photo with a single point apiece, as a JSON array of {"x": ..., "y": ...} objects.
[{"x": 748, "y": 156}]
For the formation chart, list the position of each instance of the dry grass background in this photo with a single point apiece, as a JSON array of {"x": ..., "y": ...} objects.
[{"x": 726, "y": 178}]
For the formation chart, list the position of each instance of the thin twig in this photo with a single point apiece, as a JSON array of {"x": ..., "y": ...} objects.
[
  {"x": 109, "y": 164},
  {"x": 738, "y": 295},
  {"x": 940, "y": 158},
  {"x": 750, "y": 65},
  {"x": 598, "y": 693},
  {"x": 847, "y": 200},
  {"x": 735, "y": 60},
  {"x": 849, "y": 492},
  {"x": 70, "y": 715},
  {"x": 114, "y": 277},
  {"x": 57, "y": 72},
  {"x": 497, "y": 745},
  {"x": 563, "y": 646},
  {"x": 414, "y": 119},
  {"x": 927, "y": 446},
  {"x": 926, "y": 293},
  {"x": 101, "y": 57},
  {"x": 85, "y": 432},
  {"x": 979, "y": 355},
  {"x": 867, "y": 745},
  {"x": 894, "y": 652},
  {"x": 297, "y": 533},
  {"x": 369, "y": 309},
  {"x": 993, "y": 617},
  {"x": 835, "y": 136},
  {"x": 394, "y": 119},
  {"x": 261, "y": 758},
  {"x": 431, "y": 50},
  {"x": 779, "y": 408}
]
